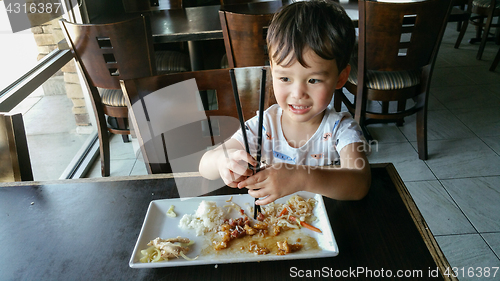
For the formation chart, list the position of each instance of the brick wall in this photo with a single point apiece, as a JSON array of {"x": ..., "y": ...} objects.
[{"x": 65, "y": 81}]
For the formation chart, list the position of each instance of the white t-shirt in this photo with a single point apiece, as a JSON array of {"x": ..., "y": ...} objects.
[{"x": 322, "y": 149}]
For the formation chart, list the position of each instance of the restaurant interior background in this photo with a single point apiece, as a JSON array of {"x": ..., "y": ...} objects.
[
  {"x": 63, "y": 138},
  {"x": 457, "y": 189}
]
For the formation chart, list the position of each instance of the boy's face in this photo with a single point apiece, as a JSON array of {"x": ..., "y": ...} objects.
[{"x": 304, "y": 93}]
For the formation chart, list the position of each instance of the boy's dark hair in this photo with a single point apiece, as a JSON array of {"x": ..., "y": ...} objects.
[{"x": 321, "y": 25}]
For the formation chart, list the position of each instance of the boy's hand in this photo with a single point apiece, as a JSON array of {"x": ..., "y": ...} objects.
[
  {"x": 234, "y": 168},
  {"x": 273, "y": 182}
]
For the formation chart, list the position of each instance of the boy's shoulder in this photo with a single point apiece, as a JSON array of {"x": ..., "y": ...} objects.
[
  {"x": 274, "y": 111},
  {"x": 333, "y": 116}
]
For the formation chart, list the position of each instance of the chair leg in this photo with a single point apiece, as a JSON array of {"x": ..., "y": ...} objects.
[
  {"x": 460, "y": 23},
  {"x": 465, "y": 24},
  {"x": 495, "y": 61},
  {"x": 385, "y": 107},
  {"x": 104, "y": 150},
  {"x": 401, "y": 107},
  {"x": 484, "y": 38},
  {"x": 479, "y": 30},
  {"x": 422, "y": 134},
  {"x": 122, "y": 124}
]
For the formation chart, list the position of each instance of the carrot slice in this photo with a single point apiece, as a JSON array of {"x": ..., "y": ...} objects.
[
  {"x": 306, "y": 225},
  {"x": 283, "y": 212}
]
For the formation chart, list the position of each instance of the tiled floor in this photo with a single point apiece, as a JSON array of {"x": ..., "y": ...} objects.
[{"x": 458, "y": 188}]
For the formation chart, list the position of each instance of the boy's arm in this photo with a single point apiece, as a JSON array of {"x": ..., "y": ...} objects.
[
  {"x": 227, "y": 161},
  {"x": 349, "y": 182}
]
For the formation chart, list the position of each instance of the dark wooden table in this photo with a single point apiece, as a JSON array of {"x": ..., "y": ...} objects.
[
  {"x": 203, "y": 23},
  {"x": 194, "y": 24},
  {"x": 87, "y": 229}
]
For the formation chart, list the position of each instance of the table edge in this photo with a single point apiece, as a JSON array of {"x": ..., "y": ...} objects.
[{"x": 102, "y": 179}]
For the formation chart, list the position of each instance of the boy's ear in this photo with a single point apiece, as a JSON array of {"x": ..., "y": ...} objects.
[{"x": 343, "y": 75}]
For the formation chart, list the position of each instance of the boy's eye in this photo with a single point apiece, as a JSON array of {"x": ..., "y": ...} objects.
[
  {"x": 284, "y": 79},
  {"x": 313, "y": 81}
]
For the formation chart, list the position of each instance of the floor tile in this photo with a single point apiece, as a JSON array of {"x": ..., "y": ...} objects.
[
  {"x": 479, "y": 199},
  {"x": 446, "y": 77},
  {"x": 495, "y": 87},
  {"x": 433, "y": 103},
  {"x": 441, "y": 124},
  {"x": 477, "y": 74},
  {"x": 484, "y": 123},
  {"x": 459, "y": 158},
  {"x": 120, "y": 150},
  {"x": 139, "y": 168},
  {"x": 440, "y": 212},
  {"x": 468, "y": 251},
  {"x": 493, "y": 240},
  {"x": 405, "y": 159},
  {"x": 386, "y": 133},
  {"x": 469, "y": 96},
  {"x": 464, "y": 56},
  {"x": 493, "y": 143}
]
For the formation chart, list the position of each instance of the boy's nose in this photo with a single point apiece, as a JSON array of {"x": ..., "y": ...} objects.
[{"x": 299, "y": 91}]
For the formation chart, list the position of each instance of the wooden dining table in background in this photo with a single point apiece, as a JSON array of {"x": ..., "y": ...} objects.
[
  {"x": 86, "y": 229},
  {"x": 195, "y": 24},
  {"x": 202, "y": 23}
]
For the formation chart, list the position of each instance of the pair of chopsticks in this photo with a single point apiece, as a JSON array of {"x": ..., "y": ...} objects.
[{"x": 242, "y": 123}]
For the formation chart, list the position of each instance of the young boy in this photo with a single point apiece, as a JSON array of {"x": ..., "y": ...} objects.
[{"x": 309, "y": 44}]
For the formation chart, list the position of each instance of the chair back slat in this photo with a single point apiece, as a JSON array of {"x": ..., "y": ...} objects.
[{"x": 411, "y": 43}]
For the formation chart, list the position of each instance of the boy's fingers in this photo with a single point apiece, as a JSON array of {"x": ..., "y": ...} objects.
[
  {"x": 257, "y": 193},
  {"x": 267, "y": 200},
  {"x": 245, "y": 183},
  {"x": 239, "y": 169},
  {"x": 232, "y": 184},
  {"x": 244, "y": 156}
]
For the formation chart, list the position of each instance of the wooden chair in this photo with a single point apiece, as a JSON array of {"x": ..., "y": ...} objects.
[
  {"x": 15, "y": 164},
  {"x": 245, "y": 38},
  {"x": 172, "y": 127},
  {"x": 398, "y": 44},
  {"x": 106, "y": 53},
  {"x": 459, "y": 13},
  {"x": 481, "y": 10}
]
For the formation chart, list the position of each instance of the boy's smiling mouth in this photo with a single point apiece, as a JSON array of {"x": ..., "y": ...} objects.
[{"x": 299, "y": 109}]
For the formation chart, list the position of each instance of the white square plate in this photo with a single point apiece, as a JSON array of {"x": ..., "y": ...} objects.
[{"x": 158, "y": 224}]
